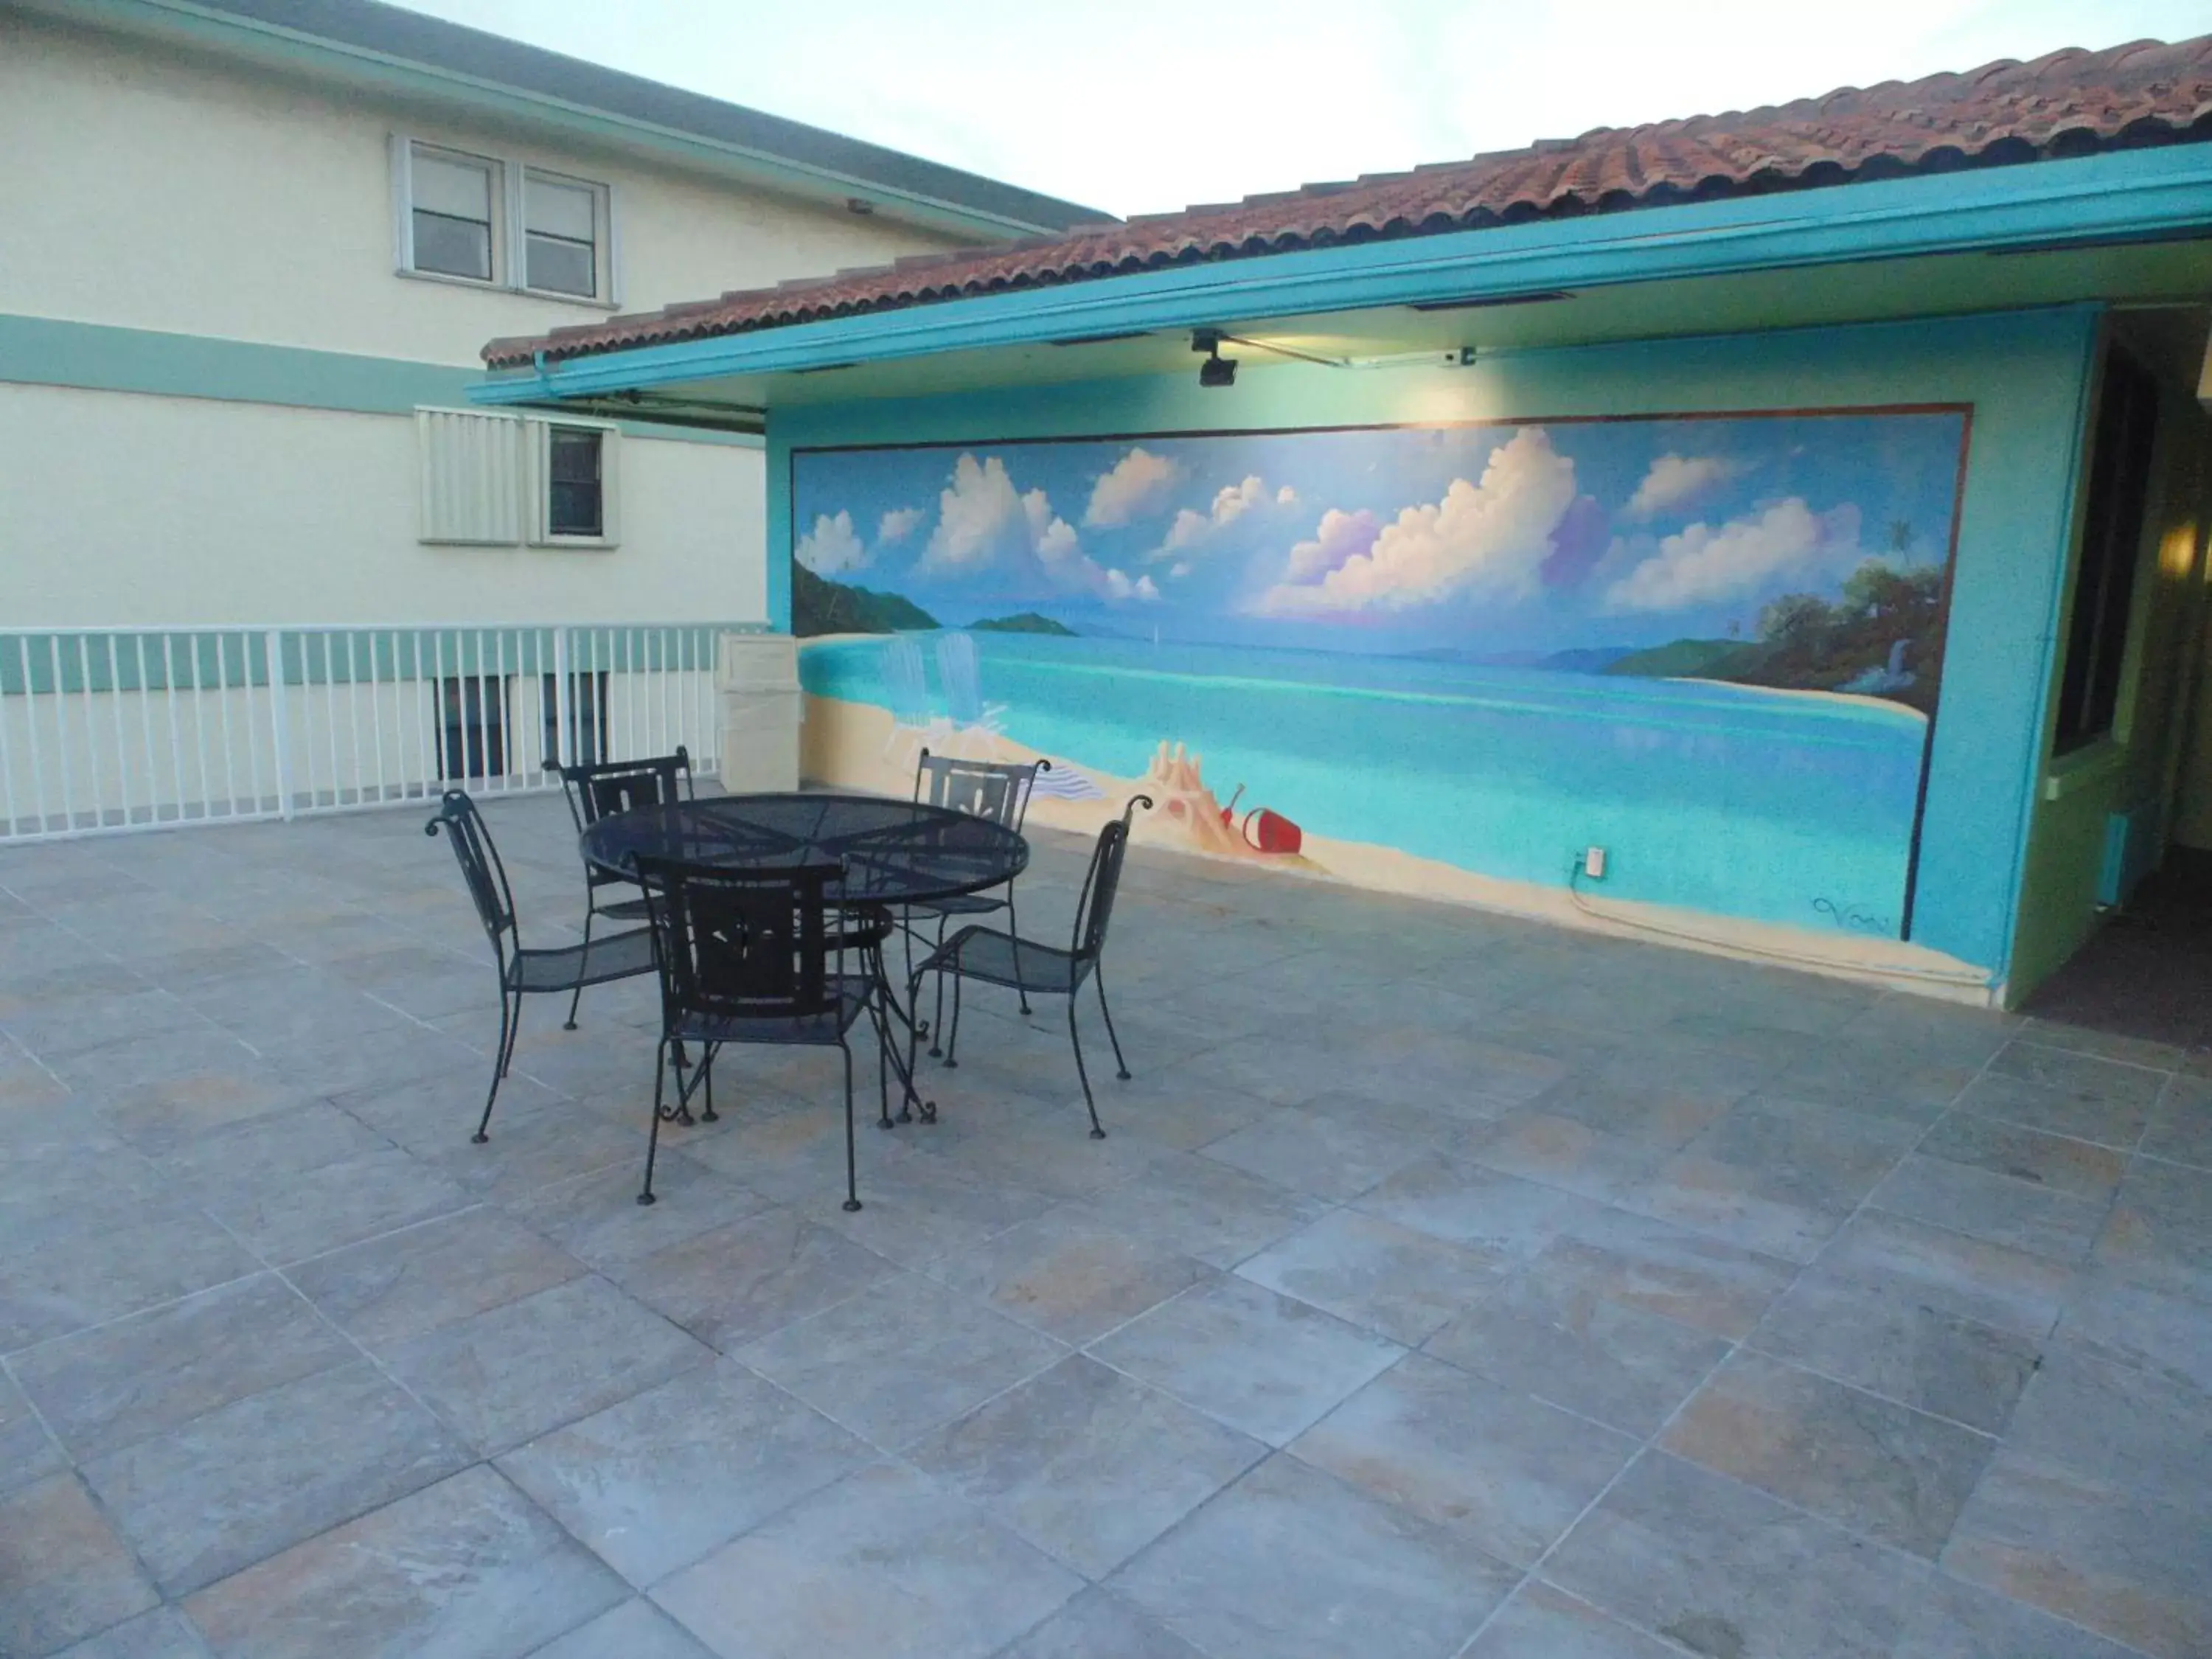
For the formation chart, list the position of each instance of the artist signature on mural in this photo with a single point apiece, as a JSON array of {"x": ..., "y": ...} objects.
[{"x": 1854, "y": 918}]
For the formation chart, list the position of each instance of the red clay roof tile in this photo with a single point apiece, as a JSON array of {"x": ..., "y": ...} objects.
[{"x": 2070, "y": 103}]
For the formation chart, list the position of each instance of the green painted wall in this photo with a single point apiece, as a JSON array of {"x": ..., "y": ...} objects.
[
  {"x": 2135, "y": 770},
  {"x": 2024, "y": 373}
]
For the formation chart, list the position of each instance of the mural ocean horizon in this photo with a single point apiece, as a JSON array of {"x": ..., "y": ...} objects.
[{"x": 1713, "y": 645}]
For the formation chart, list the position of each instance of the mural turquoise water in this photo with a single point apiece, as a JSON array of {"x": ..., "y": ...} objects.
[{"x": 1712, "y": 645}]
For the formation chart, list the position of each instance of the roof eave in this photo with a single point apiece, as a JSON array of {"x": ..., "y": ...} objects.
[{"x": 2124, "y": 194}]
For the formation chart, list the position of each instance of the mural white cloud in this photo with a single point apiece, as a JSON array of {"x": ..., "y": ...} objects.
[
  {"x": 1120, "y": 589},
  {"x": 1138, "y": 486},
  {"x": 901, "y": 522},
  {"x": 982, "y": 520},
  {"x": 831, "y": 548},
  {"x": 1704, "y": 564},
  {"x": 1193, "y": 528},
  {"x": 1338, "y": 537},
  {"x": 1675, "y": 481},
  {"x": 1488, "y": 536}
]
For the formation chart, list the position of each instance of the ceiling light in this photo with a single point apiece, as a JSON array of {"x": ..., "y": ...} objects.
[{"x": 1216, "y": 370}]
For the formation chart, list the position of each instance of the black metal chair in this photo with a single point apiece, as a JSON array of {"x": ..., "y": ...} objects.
[
  {"x": 751, "y": 956},
  {"x": 599, "y": 789},
  {"x": 1006, "y": 958},
  {"x": 997, "y": 790},
  {"x": 525, "y": 972}
]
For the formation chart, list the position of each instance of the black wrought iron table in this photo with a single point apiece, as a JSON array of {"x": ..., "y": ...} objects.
[{"x": 894, "y": 853}]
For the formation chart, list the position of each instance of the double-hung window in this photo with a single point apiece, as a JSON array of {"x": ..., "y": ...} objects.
[
  {"x": 480, "y": 219},
  {"x": 489, "y": 478}
]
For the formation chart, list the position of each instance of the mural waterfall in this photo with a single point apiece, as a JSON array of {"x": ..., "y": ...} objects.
[{"x": 1439, "y": 658}]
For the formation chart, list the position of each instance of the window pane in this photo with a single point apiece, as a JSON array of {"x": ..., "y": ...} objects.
[
  {"x": 573, "y": 499},
  {"x": 562, "y": 267},
  {"x": 452, "y": 247},
  {"x": 458, "y": 188},
  {"x": 563, "y": 210},
  {"x": 576, "y": 455}
]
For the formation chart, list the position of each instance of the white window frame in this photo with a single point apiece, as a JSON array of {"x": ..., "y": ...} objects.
[
  {"x": 537, "y": 439},
  {"x": 510, "y": 246}
]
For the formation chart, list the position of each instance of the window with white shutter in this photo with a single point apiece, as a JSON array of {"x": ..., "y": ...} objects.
[{"x": 472, "y": 469}]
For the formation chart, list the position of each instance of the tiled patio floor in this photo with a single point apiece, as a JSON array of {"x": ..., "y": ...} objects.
[{"x": 1449, "y": 1284}]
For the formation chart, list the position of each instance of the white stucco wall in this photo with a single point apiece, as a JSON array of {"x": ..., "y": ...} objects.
[
  {"x": 152, "y": 188},
  {"x": 121, "y": 508}
]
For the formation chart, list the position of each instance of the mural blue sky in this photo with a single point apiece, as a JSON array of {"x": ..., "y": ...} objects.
[{"x": 1505, "y": 538}]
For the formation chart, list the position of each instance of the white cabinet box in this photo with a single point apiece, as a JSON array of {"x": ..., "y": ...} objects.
[{"x": 756, "y": 679}]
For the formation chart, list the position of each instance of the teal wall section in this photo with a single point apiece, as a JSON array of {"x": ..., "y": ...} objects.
[
  {"x": 96, "y": 357},
  {"x": 2023, "y": 373}
]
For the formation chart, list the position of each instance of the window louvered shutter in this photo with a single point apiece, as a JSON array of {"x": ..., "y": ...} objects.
[{"x": 473, "y": 470}]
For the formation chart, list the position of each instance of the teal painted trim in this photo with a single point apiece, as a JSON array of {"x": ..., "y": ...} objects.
[
  {"x": 98, "y": 357},
  {"x": 2128, "y": 194},
  {"x": 238, "y": 37}
]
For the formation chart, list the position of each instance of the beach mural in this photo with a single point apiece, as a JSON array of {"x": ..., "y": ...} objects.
[{"x": 1430, "y": 657}]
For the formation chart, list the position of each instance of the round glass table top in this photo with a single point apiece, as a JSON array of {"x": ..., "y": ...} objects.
[{"x": 894, "y": 852}]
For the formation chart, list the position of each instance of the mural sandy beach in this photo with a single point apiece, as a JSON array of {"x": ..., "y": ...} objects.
[{"x": 1425, "y": 659}]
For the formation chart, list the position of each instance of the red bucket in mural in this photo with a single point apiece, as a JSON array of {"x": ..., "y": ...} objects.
[{"x": 1264, "y": 828}]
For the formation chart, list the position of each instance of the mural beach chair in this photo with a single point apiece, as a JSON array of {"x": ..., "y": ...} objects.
[
  {"x": 906, "y": 682},
  {"x": 961, "y": 673}
]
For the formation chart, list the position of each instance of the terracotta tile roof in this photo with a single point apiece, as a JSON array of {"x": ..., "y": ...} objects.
[{"x": 2070, "y": 103}]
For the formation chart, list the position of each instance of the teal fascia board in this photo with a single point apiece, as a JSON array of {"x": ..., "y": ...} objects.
[
  {"x": 98, "y": 357},
  {"x": 2133, "y": 194}
]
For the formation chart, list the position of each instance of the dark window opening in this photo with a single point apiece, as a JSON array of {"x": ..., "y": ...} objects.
[
  {"x": 472, "y": 726},
  {"x": 584, "y": 743},
  {"x": 576, "y": 497},
  {"x": 2111, "y": 541}
]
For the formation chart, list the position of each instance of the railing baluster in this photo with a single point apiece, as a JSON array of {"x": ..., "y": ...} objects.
[
  {"x": 60, "y": 732},
  {"x": 169, "y": 707},
  {"x": 91, "y": 724},
  {"x": 199, "y": 728},
  {"x": 280, "y": 720},
  {"x": 31, "y": 729},
  {"x": 222, "y": 710},
  {"x": 115, "y": 719}
]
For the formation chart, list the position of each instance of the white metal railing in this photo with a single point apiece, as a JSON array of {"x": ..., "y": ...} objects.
[{"x": 104, "y": 730}]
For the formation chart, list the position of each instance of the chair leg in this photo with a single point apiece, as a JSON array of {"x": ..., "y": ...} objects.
[
  {"x": 952, "y": 1041},
  {"x": 937, "y": 1025},
  {"x": 1075, "y": 1041},
  {"x": 1014, "y": 928},
  {"x": 1121, "y": 1065},
  {"x": 707, "y": 1082},
  {"x": 590, "y": 910},
  {"x": 852, "y": 1169},
  {"x": 510, "y": 1016},
  {"x": 653, "y": 1141}
]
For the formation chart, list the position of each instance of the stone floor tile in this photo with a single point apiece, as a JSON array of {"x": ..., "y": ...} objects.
[
  {"x": 1637, "y": 1101},
  {"x": 2105, "y": 1045},
  {"x": 901, "y": 1357},
  {"x": 1639, "y": 1261},
  {"x": 1540, "y": 1622},
  {"x": 1314, "y": 1152},
  {"x": 1373, "y": 1273},
  {"x": 1971, "y": 1277},
  {"x": 1086, "y": 1464},
  {"x": 164, "y": 1633},
  {"x": 1259, "y": 1362},
  {"x": 1501, "y": 1217},
  {"x": 432, "y": 1115},
  {"x": 1068, "y": 1274},
  {"x": 109, "y": 1261},
  {"x": 2110, "y": 1318},
  {"x": 1955, "y": 1620},
  {"x": 635, "y": 1629},
  {"x": 226, "y": 1489},
  {"x": 2078, "y": 1168},
  {"x": 2082, "y": 1111},
  {"x": 1047, "y": 1152},
  {"x": 509, "y": 1374},
  {"x": 159, "y": 1090},
  {"x": 882, "y": 1565},
  {"x": 1199, "y": 1207},
  {"x": 1509, "y": 1472},
  {"x": 1717, "y": 1567},
  {"x": 391, "y": 1289},
  {"x": 1883, "y": 1081},
  {"x": 917, "y": 1205},
  {"x": 1098, "y": 1625},
  {"x": 598, "y": 1219},
  {"x": 733, "y": 1285},
  {"x": 1291, "y": 1562},
  {"x": 656, "y": 1482},
  {"x": 27, "y": 1451},
  {"x": 63, "y": 1574},
  {"x": 2180, "y": 1129},
  {"x": 2159, "y": 1232},
  {"x": 2083, "y": 1074},
  {"x": 291, "y": 1217},
  {"x": 1880, "y": 1468},
  {"x": 271, "y": 1148},
  {"x": 555, "y": 1145},
  {"x": 1564, "y": 1342},
  {"x": 467, "y": 1569},
  {"x": 1983, "y": 1203},
  {"x": 79, "y": 1025},
  {"x": 1562, "y": 1152},
  {"x": 106, "y": 1388}
]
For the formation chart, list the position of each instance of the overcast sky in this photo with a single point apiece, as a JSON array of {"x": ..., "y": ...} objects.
[{"x": 1144, "y": 106}]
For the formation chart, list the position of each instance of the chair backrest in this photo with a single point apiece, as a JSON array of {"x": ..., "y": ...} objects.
[
  {"x": 997, "y": 790},
  {"x": 599, "y": 789},
  {"x": 962, "y": 675},
  {"x": 748, "y": 944},
  {"x": 481, "y": 869},
  {"x": 906, "y": 680},
  {"x": 1094, "y": 910}
]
